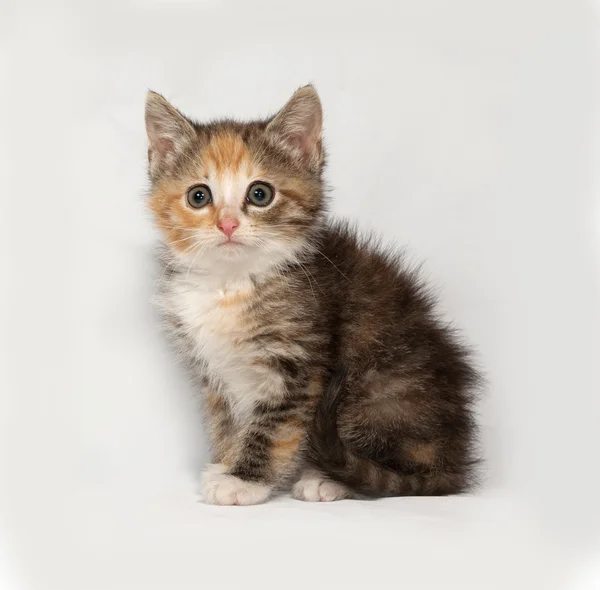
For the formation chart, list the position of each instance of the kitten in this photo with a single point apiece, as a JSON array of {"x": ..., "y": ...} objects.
[{"x": 322, "y": 366}]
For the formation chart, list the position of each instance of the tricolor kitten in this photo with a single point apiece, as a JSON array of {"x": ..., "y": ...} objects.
[{"x": 322, "y": 366}]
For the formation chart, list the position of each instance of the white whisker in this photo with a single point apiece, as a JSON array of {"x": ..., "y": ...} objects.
[{"x": 334, "y": 266}]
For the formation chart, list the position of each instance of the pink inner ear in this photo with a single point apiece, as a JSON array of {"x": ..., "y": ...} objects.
[
  {"x": 306, "y": 142},
  {"x": 164, "y": 145},
  {"x": 300, "y": 141}
]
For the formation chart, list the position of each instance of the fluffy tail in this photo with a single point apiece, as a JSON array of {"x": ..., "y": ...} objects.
[{"x": 363, "y": 475}]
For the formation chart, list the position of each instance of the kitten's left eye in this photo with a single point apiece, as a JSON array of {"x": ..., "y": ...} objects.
[{"x": 260, "y": 194}]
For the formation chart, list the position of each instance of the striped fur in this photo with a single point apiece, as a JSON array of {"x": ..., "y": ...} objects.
[{"x": 321, "y": 364}]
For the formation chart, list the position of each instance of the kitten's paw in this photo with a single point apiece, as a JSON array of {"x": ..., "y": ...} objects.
[
  {"x": 315, "y": 488},
  {"x": 218, "y": 487}
]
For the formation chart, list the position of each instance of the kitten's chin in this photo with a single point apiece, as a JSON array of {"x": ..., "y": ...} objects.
[
  {"x": 235, "y": 258},
  {"x": 232, "y": 250}
]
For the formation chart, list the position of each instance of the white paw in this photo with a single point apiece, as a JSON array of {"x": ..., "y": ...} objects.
[
  {"x": 319, "y": 489},
  {"x": 218, "y": 487}
]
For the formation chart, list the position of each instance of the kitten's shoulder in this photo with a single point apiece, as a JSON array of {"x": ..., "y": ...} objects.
[
  {"x": 365, "y": 266},
  {"x": 356, "y": 248}
]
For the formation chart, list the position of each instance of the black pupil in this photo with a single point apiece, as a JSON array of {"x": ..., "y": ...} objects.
[
  {"x": 199, "y": 196},
  {"x": 259, "y": 194}
]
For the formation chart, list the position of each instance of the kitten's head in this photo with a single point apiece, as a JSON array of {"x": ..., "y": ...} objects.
[{"x": 236, "y": 196}]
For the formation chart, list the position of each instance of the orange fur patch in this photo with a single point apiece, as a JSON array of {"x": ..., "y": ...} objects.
[
  {"x": 175, "y": 218},
  {"x": 226, "y": 152},
  {"x": 424, "y": 453},
  {"x": 284, "y": 450},
  {"x": 286, "y": 443},
  {"x": 238, "y": 298}
]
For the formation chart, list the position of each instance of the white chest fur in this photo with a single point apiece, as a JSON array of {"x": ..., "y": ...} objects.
[{"x": 216, "y": 321}]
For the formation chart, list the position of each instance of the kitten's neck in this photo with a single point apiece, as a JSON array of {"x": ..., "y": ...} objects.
[{"x": 212, "y": 279}]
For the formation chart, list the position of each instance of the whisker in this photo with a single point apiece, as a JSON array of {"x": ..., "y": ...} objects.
[
  {"x": 182, "y": 240},
  {"x": 177, "y": 227},
  {"x": 309, "y": 282},
  {"x": 199, "y": 248},
  {"x": 165, "y": 269},
  {"x": 303, "y": 267},
  {"x": 334, "y": 266}
]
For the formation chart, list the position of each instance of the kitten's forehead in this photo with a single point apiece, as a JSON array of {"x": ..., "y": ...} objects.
[
  {"x": 228, "y": 166},
  {"x": 225, "y": 153}
]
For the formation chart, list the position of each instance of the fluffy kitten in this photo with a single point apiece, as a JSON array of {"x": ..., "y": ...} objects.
[{"x": 322, "y": 365}]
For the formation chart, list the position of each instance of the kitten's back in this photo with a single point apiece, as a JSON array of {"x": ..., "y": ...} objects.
[{"x": 397, "y": 414}]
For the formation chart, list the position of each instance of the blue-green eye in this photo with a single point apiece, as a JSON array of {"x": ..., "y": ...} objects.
[
  {"x": 199, "y": 196},
  {"x": 260, "y": 194}
]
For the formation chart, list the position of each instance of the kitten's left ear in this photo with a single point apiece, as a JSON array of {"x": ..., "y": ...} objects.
[
  {"x": 299, "y": 125},
  {"x": 169, "y": 133}
]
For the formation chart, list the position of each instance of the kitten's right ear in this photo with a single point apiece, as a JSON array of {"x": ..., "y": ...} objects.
[{"x": 169, "y": 133}]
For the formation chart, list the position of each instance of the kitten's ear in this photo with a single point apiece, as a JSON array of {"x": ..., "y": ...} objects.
[
  {"x": 169, "y": 133},
  {"x": 299, "y": 125}
]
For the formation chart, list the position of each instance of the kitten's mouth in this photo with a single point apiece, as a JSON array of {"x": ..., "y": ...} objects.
[{"x": 230, "y": 244}]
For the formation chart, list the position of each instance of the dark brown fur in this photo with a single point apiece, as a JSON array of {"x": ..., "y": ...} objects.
[{"x": 398, "y": 382}]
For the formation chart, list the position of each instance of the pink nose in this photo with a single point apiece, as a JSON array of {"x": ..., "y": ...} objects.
[{"x": 228, "y": 226}]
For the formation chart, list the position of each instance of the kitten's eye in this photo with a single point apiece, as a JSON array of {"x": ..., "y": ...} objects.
[
  {"x": 199, "y": 196},
  {"x": 260, "y": 194}
]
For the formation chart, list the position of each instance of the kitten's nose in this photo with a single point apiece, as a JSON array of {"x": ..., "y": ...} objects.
[{"x": 228, "y": 226}]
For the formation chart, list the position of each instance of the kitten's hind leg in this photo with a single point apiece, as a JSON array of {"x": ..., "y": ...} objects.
[{"x": 313, "y": 486}]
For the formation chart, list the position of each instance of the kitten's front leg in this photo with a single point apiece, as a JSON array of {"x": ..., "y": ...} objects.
[
  {"x": 220, "y": 429},
  {"x": 265, "y": 460}
]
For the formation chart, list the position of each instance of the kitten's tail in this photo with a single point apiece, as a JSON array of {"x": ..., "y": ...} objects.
[{"x": 364, "y": 476}]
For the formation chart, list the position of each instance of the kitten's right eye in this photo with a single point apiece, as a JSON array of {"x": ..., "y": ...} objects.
[{"x": 199, "y": 196}]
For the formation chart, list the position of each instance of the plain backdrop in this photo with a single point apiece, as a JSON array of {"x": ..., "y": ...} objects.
[{"x": 465, "y": 129}]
